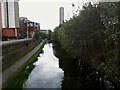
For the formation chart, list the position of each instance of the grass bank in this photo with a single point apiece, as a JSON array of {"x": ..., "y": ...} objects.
[{"x": 23, "y": 72}]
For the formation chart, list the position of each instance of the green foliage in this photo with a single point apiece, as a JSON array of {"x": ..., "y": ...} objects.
[
  {"x": 39, "y": 34},
  {"x": 109, "y": 16},
  {"x": 49, "y": 35},
  {"x": 94, "y": 35},
  {"x": 78, "y": 34}
]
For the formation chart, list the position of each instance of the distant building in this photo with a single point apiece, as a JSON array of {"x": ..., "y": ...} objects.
[
  {"x": 61, "y": 15},
  {"x": 28, "y": 26},
  {"x": 10, "y": 18}
]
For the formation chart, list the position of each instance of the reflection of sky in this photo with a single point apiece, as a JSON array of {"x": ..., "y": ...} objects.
[{"x": 47, "y": 73}]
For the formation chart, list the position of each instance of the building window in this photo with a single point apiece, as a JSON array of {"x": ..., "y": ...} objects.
[{"x": 7, "y": 13}]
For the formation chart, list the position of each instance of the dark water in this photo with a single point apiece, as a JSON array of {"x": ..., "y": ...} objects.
[{"x": 55, "y": 68}]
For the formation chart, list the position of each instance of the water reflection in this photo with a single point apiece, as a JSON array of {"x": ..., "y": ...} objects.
[
  {"x": 46, "y": 73},
  {"x": 55, "y": 68},
  {"x": 78, "y": 74}
]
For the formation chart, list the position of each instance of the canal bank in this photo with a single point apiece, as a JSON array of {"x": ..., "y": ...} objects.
[
  {"x": 55, "y": 68},
  {"x": 14, "y": 50},
  {"x": 13, "y": 70}
]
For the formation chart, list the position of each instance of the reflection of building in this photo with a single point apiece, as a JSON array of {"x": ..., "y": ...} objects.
[
  {"x": 28, "y": 26},
  {"x": 10, "y": 18},
  {"x": 61, "y": 12}
]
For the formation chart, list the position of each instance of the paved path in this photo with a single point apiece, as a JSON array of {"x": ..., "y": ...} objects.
[{"x": 9, "y": 71}]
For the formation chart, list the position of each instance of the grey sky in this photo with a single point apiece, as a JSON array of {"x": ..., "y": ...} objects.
[{"x": 44, "y": 12}]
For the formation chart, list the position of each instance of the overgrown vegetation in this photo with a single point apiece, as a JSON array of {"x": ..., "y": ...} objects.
[
  {"x": 40, "y": 35},
  {"x": 43, "y": 35},
  {"x": 94, "y": 36},
  {"x": 49, "y": 35}
]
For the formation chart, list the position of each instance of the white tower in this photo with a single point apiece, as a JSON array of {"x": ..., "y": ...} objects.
[{"x": 61, "y": 18}]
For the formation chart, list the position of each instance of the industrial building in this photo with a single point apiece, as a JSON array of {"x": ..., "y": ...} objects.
[
  {"x": 10, "y": 18},
  {"x": 11, "y": 26}
]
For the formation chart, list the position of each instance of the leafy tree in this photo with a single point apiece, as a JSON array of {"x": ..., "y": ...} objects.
[
  {"x": 39, "y": 34},
  {"x": 94, "y": 34},
  {"x": 49, "y": 35}
]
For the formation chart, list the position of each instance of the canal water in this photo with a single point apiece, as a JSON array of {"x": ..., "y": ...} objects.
[
  {"x": 47, "y": 73},
  {"x": 54, "y": 68}
]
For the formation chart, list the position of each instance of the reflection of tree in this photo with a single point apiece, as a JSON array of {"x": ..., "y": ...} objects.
[{"x": 78, "y": 74}]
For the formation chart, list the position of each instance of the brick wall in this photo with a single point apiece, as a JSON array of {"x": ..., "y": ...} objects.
[{"x": 9, "y": 32}]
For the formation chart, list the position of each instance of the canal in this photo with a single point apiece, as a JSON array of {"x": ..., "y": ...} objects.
[{"x": 54, "y": 68}]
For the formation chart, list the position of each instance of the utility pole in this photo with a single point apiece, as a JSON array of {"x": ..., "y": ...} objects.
[{"x": 27, "y": 29}]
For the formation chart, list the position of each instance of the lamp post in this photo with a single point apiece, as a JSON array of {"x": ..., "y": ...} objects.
[{"x": 27, "y": 29}]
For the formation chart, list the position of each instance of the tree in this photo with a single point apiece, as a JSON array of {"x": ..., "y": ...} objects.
[{"x": 40, "y": 35}]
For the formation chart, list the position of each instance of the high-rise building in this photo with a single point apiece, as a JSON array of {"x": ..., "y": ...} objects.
[
  {"x": 10, "y": 18},
  {"x": 61, "y": 15}
]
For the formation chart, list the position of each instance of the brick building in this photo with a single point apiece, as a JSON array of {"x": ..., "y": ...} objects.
[{"x": 28, "y": 26}]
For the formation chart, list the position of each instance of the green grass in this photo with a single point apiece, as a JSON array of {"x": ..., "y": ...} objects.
[{"x": 19, "y": 77}]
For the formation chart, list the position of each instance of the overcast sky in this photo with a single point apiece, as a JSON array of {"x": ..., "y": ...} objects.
[{"x": 47, "y": 13}]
